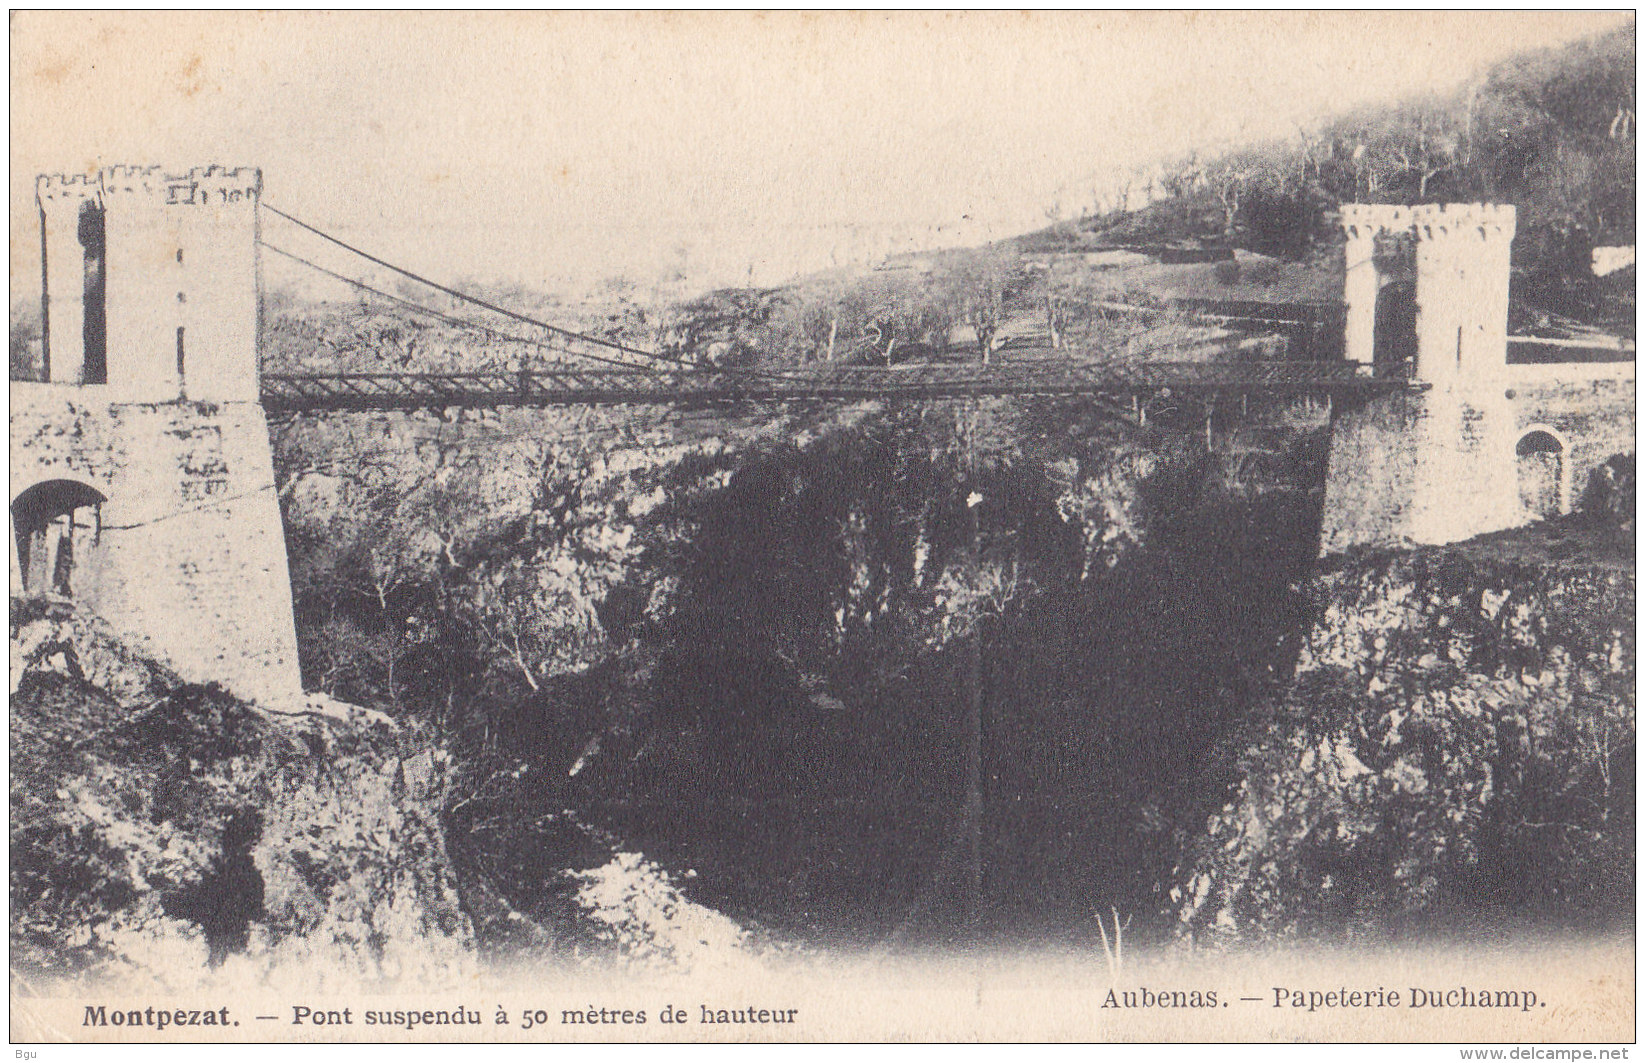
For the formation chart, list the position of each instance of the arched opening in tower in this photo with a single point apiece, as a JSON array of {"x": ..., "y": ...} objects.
[
  {"x": 1395, "y": 349},
  {"x": 59, "y": 530},
  {"x": 1542, "y": 470}
]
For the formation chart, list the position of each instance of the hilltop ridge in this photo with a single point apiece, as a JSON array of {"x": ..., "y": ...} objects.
[{"x": 1551, "y": 131}]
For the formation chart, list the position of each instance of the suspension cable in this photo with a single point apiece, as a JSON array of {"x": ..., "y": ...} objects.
[
  {"x": 454, "y": 293},
  {"x": 449, "y": 318},
  {"x": 526, "y": 319}
]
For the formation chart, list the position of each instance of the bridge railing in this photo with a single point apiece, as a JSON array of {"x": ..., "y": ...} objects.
[{"x": 570, "y": 386}]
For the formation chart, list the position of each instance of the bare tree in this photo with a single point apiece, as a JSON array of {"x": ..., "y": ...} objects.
[
  {"x": 1426, "y": 153},
  {"x": 984, "y": 316},
  {"x": 1228, "y": 180},
  {"x": 1363, "y": 162},
  {"x": 1312, "y": 144},
  {"x": 1056, "y": 316}
]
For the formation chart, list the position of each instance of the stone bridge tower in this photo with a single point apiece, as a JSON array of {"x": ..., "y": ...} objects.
[
  {"x": 1427, "y": 296},
  {"x": 141, "y": 475}
]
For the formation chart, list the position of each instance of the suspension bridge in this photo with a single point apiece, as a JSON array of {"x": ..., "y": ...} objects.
[
  {"x": 292, "y": 393},
  {"x": 143, "y": 474},
  {"x": 607, "y": 371}
]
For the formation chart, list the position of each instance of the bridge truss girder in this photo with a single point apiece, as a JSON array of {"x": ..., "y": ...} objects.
[{"x": 1136, "y": 386}]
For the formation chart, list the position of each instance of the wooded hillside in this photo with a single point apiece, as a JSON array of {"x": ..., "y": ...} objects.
[{"x": 1551, "y": 131}]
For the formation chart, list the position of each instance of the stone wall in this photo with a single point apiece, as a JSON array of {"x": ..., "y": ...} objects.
[
  {"x": 1594, "y": 418},
  {"x": 187, "y": 558},
  {"x": 1440, "y": 466},
  {"x": 1369, "y": 483}
]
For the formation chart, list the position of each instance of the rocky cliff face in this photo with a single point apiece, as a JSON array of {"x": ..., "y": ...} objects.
[
  {"x": 756, "y": 661},
  {"x": 1457, "y": 747},
  {"x": 739, "y": 665},
  {"x": 166, "y": 831}
]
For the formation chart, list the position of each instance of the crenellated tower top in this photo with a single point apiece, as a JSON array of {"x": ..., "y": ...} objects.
[
  {"x": 1481, "y": 221},
  {"x": 151, "y": 281},
  {"x": 200, "y": 186},
  {"x": 1449, "y": 325},
  {"x": 1369, "y": 220},
  {"x": 1428, "y": 221},
  {"x": 50, "y": 188}
]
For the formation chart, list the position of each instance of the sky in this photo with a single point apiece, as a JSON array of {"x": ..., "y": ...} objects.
[{"x": 536, "y": 147}]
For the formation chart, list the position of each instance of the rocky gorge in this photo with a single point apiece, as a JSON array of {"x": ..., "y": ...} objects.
[{"x": 658, "y": 684}]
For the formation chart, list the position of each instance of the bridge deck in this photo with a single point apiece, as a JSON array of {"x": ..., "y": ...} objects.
[{"x": 577, "y": 386}]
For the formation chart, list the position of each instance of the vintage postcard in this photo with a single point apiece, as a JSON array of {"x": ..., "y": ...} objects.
[{"x": 689, "y": 527}]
